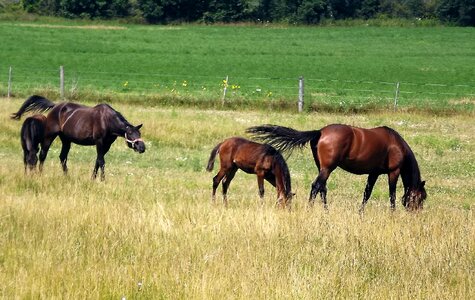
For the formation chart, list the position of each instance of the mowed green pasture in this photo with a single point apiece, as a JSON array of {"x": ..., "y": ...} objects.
[
  {"x": 150, "y": 231},
  {"x": 345, "y": 68}
]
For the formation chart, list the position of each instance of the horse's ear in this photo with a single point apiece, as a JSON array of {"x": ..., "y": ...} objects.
[{"x": 138, "y": 127}]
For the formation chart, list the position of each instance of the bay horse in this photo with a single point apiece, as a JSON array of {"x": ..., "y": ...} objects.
[
  {"x": 31, "y": 136},
  {"x": 356, "y": 150},
  {"x": 75, "y": 123},
  {"x": 253, "y": 158}
]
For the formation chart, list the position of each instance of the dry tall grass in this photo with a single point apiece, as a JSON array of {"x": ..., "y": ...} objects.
[{"x": 150, "y": 231}]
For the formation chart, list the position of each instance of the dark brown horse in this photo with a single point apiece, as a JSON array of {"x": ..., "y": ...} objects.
[
  {"x": 75, "y": 123},
  {"x": 253, "y": 158},
  {"x": 356, "y": 150},
  {"x": 31, "y": 135}
]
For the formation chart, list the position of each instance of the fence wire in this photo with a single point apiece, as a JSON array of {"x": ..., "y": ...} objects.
[{"x": 317, "y": 91}]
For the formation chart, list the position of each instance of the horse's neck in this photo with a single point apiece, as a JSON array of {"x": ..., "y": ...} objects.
[
  {"x": 118, "y": 126},
  {"x": 410, "y": 173},
  {"x": 283, "y": 180}
]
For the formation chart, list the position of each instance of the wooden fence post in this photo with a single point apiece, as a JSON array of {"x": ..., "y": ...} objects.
[
  {"x": 61, "y": 82},
  {"x": 301, "y": 94},
  {"x": 396, "y": 96},
  {"x": 9, "y": 91}
]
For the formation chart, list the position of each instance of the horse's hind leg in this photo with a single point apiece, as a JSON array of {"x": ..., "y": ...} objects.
[
  {"x": 226, "y": 181},
  {"x": 216, "y": 180},
  {"x": 319, "y": 186},
  {"x": 63, "y": 156},
  {"x": 25, "y": 162},
  {"x": 368, "y": 189}
]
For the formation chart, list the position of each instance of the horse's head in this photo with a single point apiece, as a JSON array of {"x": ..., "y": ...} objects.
[
  {"x": 31, "y": 159},
  {"x": 133, "y": 138},
  {"x": 284, "y": 200},
  {"x": 414, "y": 198}
]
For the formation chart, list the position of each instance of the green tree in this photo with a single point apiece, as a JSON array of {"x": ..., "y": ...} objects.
[{"x": 311, "y": 11}]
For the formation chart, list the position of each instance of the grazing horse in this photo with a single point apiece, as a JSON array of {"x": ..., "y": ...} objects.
[
  {"x": 253, "y": 158},
  {"x": 31, "y": 135},
  {"x": 356, "y": 150},
  {"x": 75, "y": 123}
]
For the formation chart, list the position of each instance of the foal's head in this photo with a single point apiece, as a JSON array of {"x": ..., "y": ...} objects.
[
  {"x": 414, "y": 198},
  {"x": 31, "y": 159},
  {"x": 133, "y": 138}
]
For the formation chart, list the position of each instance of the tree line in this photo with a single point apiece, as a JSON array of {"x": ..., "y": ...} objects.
[{"x": 458, "y": 12}]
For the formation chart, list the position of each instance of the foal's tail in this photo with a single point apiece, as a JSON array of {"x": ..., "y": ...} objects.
[
  {"x": 284, "y": 138},
  {"x": 212, "y": 157},
  {"x": 32, "y": 132},
  {"x": 33, "y": 103}
]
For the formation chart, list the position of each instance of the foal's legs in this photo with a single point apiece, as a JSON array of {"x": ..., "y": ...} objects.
[
  {"x": 216, "y": 180},
  {"x": 226, "y": 181},
  {"x": 320, "y": 186},
  {"x": 25, "y": 162},
  {"x": 392, "y": 179},
  {"x": 63, "y": 156},
  {"x": 225, "y": 175},
  {"x": 368, "y": 190},
  {"x": 270, "y": 177},
  {"x": 260, "y": 184}
]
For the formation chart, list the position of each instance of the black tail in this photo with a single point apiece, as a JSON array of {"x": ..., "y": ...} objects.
[
  {"x": 32, "y": 133},
  {"x": 33, "y": 103},
  {"x": 283, "y": 138},
  {"x": 212, "y": 157}
]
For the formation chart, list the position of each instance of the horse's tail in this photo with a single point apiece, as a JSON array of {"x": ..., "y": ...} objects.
[
  {"x": 283, "y": 138},
  {"x": 33, "y": 103},
  {"x": 32, "y": 132},
  {"x": 212, "y": 157}
]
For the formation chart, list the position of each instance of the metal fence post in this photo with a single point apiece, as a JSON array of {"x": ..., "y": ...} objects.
[
  {"x": 61, "y": 82},
  {"x": 396, "y": 96},
  {"x": 301, "y": 94}
]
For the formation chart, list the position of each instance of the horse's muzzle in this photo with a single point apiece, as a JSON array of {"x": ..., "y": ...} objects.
[{"x": 139, "y": 147}]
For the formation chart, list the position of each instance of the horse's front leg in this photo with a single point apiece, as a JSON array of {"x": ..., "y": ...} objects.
[
  {"x": 63, "y": 156},
  {"x": 100, "y": 161},
  {"x": 44, "y": 150},
  {"x": 392, "y": 179},
  {"x": 260, "y": 184},
  {"x": 368, "y": 190}
]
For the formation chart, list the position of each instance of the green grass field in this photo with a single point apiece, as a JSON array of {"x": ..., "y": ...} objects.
[
  {"x": 345, "y": 68},
  {"x": 150, "y": 231}
]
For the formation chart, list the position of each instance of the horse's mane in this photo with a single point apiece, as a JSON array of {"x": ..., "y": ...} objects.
[
  {"x": 279, "y": 159},
  {"x": 118, "y": 115}
]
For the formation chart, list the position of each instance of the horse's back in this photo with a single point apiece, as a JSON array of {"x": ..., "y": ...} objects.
[
  {"x": 244, "y": 153},
  {"x": 360, "y": 150}
]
